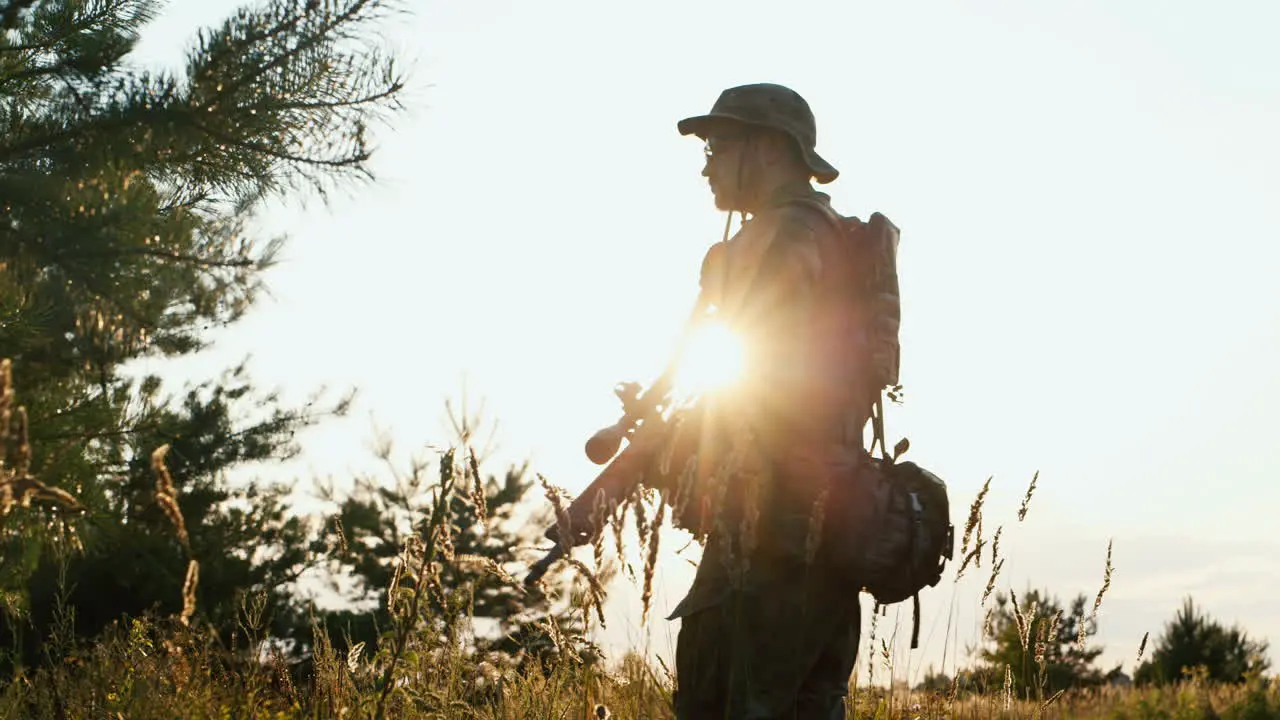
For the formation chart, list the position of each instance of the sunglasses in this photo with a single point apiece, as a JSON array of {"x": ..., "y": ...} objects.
[{"x": 719, "y": 143}]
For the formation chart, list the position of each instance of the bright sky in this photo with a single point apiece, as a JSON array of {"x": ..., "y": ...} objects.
[{"x": 1087, "y": 193}]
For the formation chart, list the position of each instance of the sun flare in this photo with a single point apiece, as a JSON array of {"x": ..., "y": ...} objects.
[{"x": 713, "y": 360}]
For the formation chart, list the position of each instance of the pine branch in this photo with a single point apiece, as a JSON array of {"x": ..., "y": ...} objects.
[
  {"x": 387, "y": 94},
  {"x": 102, "y": 125},
  {"x": 108, "y": 17},
  {"x": 38, "y": 71},
  {"x": 9, "y": 15},
  {"x": 258, "y": 148},
  {"x": 182, "y": 257}
]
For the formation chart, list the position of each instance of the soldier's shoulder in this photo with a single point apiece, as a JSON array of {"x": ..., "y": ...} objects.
[{"x": 803, "y": 218}]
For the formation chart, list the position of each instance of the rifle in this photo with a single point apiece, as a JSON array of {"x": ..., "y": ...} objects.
[
  {"x": 642, "y": 426},
  {"x": 615, "y": 481}
]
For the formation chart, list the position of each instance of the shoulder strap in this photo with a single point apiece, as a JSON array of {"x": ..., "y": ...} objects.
[
  {"x": 877, "y": 426},
  {"x": 915, "y": 621},
  {"x": 823, "y": 209}
]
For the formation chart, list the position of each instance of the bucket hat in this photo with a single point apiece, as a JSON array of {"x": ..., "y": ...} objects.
[{"x": 768, "y": 105}]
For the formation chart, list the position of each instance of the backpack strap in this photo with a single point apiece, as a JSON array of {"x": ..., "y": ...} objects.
[
  {"x": 823, "y": 209},
  {"x": 915, "y": 621},
  {"x": 877, "y": 426}
]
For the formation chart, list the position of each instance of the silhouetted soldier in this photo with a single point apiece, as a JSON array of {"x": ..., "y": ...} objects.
[{"x": 766, "y": 632}]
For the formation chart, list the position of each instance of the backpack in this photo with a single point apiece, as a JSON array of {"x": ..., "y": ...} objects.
[
  {"x": 889, "y": 524},
  {"x": 871, "y": 253}
]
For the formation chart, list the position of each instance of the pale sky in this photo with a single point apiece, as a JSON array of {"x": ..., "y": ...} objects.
[{"x": 1087, "y": 193}]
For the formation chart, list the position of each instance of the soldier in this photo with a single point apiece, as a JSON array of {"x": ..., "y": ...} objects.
[{"x": 766, "y": 632}]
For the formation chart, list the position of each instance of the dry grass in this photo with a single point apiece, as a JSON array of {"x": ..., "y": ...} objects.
[
  {"x": 161, "y": 669},
  {"x": 17, "y": 487},
  {"x": 166, "y": 496},
  {"x": 170, "y": 668}
]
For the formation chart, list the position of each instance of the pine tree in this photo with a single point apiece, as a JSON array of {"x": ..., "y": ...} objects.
[
  {"x": 479, "y": 600},
  {"x": 1192, "y": 640},
  {"x": 127, "y": 201},
  {"x": 1044, "y": 645}
]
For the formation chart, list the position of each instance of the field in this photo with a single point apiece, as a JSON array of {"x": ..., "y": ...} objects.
[
  {"x": 173, "y": 667},
  {"x": 159, "y": 669}
]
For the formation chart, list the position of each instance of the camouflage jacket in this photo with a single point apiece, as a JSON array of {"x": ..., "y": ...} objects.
[{"x": 764, "y": 284}]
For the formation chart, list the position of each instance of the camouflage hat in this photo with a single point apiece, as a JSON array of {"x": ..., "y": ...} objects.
[{"x": 769, "y": 105}]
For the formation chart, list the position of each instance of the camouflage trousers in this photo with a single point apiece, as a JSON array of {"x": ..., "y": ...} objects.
[{"x": 772, "y": 653}]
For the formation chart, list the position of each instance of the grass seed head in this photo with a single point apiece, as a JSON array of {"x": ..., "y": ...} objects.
[
  {"x": 1008, "y": 687},
  {"x": 353, "y": 656},
  {"x": 1042, "y": 639},
  {"x": 991, "y": 581},
  {"x": 594, "y": 597},
  {"x": 1026, "y": 499},
  {"x": 166, "y": 495},
  {"x": 651, "y": 561},
  {"x": 189, "y": 591},
  {"x": 975, "y": 516},
  {"x": 1052, "y": 699},
  {"x": 1021, "y": 620},
  {"x": 22, "y": 456},
  {"x": 686, "y": 486},
  {"x": 340, "y": 534},
  {"x": 397, "y": 571},
  {"x": 478, "y": 496},
  {"x": 1097, "y": 601},
  {"x": 641, "y": 519},
  {"x": 618, "y": 510},
  {"x": 972, "y": 555},
  {"x": 599, "y": 518},
  {"x": 563, "y": 523}
]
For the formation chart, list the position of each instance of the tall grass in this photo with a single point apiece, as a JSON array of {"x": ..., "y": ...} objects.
[
  {"x": 173, "y": 667},
  {"x": 18, "y": 489},
  {"x": 158, "y": 668}
]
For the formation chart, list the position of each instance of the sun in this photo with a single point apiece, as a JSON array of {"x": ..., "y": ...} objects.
[{"x": 713, "y": 360}]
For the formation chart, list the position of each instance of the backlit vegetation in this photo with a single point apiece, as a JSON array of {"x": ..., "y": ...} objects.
[{"x": 137, "y": 581}]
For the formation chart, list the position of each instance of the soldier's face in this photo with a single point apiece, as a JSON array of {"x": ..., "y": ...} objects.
[{"x": 726, "y": 167}]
